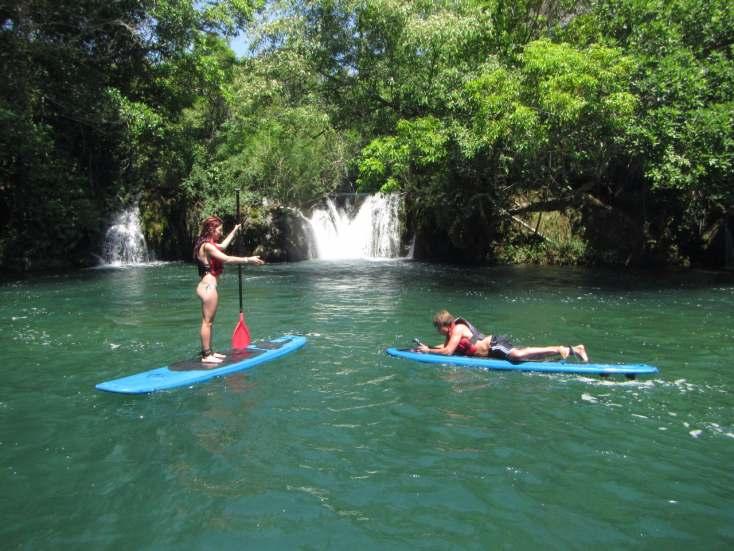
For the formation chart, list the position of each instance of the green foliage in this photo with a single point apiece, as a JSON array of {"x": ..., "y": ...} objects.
[
  {"x": 681, "y": 142},
  {"x": 490, "y": 113},
  {"x": 479, "y": 111},
  {"x": 554, "y": 122},
  {"x": 419, "y": 146},
  {"x": 90, "y": 103},
  {"x": 585, "y": 105},
  {"x": 638, "y": 90},
  {"x": 276, "y": 144},
  {"x": 535, "y": 251}
]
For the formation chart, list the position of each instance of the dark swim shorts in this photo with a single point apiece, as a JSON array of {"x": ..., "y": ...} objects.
[{"x": 500, "y": 346}]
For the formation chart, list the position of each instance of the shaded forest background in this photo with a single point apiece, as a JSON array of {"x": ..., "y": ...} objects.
[{"x": 549, "y": 131}]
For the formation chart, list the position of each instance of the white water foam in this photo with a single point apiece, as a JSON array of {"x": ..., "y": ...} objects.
[
  {"x": 124, "y": 242},
  {"x": 373, "y": 231}
]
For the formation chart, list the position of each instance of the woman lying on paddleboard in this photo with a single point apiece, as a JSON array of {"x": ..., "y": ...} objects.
[
  {"x": 464, "y": 339},
  {"x": 210, "y": 259}
]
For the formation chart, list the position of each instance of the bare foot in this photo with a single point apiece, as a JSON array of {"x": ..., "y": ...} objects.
[
  {"x": 211, "y": 359},
  {"x": 218, "y": 355},
  {"x": 580, "y": 351}
]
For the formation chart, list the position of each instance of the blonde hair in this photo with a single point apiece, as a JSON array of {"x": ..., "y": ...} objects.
[{"x": 443, "y": 319}]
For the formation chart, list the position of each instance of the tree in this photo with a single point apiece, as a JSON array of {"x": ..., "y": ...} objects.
[{"x": 86, "y": 100}]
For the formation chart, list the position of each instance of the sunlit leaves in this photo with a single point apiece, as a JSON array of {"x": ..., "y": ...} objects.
[
  {"x": 139, "y": 118},
  {"x": 568, "y": 83},
  {"x": 276, "y": 143},
  {"x": 387, "y": 163},
  {"x": 490, "y": 113},
  {"x": 699, "y": 148}
]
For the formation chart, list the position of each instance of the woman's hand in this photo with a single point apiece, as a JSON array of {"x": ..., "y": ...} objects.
[
  {"x": 423, "y": 348},
  {"x": 255, "y": 260},
  {"x": 227, "y": 240}
]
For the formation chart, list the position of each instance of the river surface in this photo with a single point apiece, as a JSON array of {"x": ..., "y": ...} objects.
[{"x": 339, "y": 446}]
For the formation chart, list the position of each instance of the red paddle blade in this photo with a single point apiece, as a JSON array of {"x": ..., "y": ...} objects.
[{"x": 241, "y": 335}]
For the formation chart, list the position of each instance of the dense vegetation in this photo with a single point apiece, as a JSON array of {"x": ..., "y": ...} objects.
[{"x": 532, "y": 130}]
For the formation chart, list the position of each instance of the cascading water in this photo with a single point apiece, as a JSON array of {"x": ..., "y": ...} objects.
[
  {"x": 373, "y": 232},
  {"x": 124, "y": 241}
]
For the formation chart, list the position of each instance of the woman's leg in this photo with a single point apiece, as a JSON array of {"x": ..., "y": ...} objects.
[
  {"x": 535, "y": 352},
  {"x": 209, "y": 302}
]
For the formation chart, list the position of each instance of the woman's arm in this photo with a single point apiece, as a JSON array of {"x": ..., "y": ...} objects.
[
  {"x": 448, "y": 348},
  {"x": 227, "y": 259},
  {"x": 227, "y": 240}
]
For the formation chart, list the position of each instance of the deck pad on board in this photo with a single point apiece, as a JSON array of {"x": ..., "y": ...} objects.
[{"x": 233, "y": 357}]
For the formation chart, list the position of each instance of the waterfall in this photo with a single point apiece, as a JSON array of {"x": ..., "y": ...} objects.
[
  {"x": 124, "y": 242},
  {"x": 369, "y": 230}
]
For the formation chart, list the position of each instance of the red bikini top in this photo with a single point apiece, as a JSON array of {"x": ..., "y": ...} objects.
[
  {"x": 466, "y": 347},
  {"x": 214, "y": 267}
]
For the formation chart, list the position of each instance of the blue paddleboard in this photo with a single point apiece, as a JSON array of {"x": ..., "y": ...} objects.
[
  {"x": 188, "y": 372},
  {"x": 545, "y": 367}
]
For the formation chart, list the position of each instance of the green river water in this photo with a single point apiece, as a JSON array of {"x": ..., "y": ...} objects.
[{"x": 338, "y": 445}]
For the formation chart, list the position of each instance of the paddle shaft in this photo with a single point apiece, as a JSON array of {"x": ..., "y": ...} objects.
[
  {"x": 239, "y": 266},
  {"x": 241, "y": 334}
]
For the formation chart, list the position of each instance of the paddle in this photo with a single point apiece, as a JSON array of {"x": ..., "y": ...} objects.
[{"x": 241, "y": 334}]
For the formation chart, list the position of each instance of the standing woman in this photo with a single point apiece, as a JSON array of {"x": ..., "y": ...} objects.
[{"x": 210, "y": 259}]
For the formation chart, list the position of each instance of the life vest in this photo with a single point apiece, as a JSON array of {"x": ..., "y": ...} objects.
[{"x": 476, "y": 335}]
